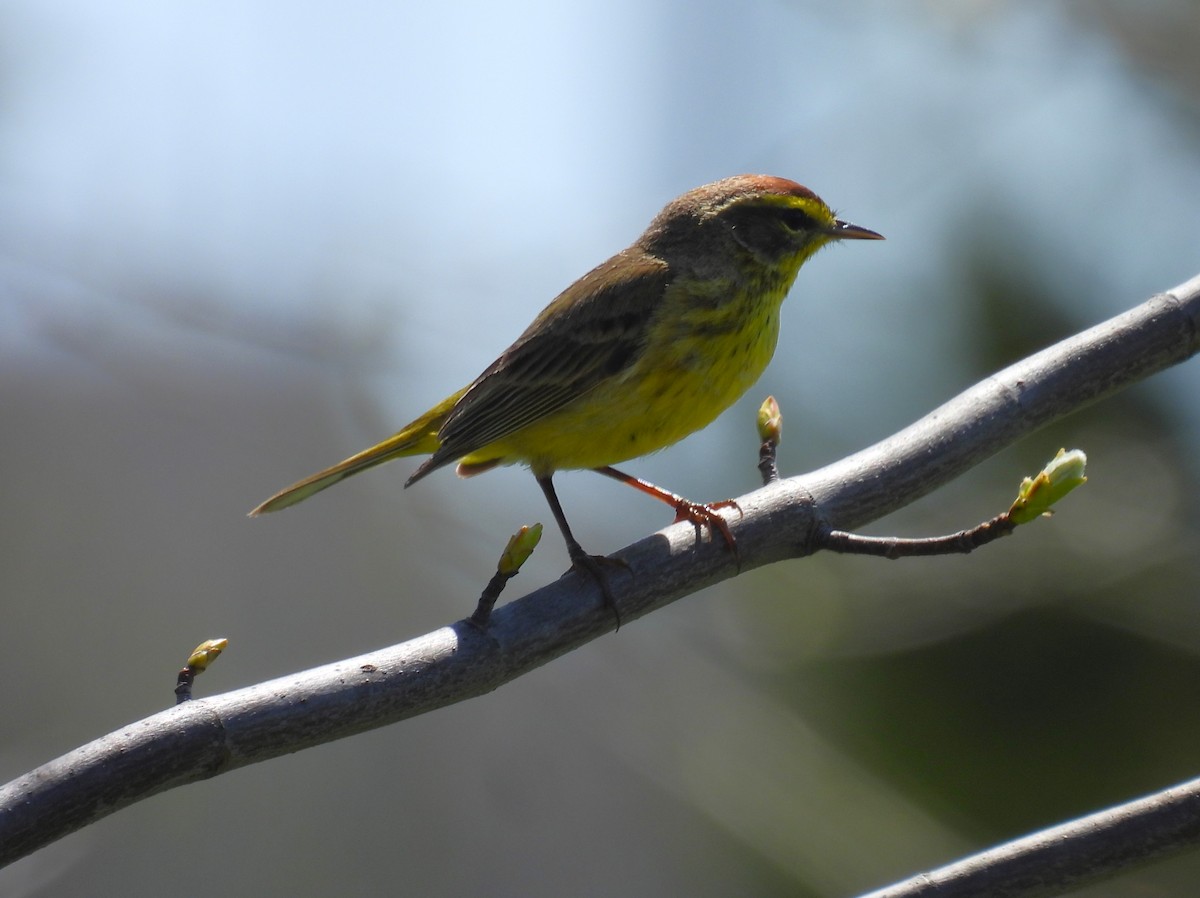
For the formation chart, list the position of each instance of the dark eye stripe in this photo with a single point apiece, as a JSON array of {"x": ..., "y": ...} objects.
[{"x": 798, "y": 220}]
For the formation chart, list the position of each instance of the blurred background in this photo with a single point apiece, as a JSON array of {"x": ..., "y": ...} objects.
[{"x": 239, "y": 241}]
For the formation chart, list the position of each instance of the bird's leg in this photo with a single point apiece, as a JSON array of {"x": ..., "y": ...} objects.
[
  {"x": 592, "y": 565},
  {"x": 699, "y": 513}
]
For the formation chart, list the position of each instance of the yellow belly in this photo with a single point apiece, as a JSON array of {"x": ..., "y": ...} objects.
[{"x": 699, "y": 360}]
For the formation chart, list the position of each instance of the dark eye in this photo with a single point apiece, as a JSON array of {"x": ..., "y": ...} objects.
[{"x": 797, "y": 220}]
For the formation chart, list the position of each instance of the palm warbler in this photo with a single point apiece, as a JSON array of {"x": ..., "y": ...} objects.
[{"x": 635, "y": 355}]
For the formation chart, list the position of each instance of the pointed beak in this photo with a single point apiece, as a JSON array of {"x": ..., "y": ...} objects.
[{"x": 843, "y": 230}]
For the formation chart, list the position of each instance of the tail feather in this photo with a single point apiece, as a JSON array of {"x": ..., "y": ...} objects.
[{"x": 418, "y": 438}]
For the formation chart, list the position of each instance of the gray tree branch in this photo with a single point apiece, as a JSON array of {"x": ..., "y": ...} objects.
[
  {"x": 1069, "y": 856},
  {"x": 207, "y": 737}
]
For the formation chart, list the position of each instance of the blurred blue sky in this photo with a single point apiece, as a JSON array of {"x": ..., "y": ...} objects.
[{"x": 431, "y": 176}]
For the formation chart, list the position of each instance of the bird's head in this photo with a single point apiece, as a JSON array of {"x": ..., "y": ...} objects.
[{"x": 758, "y": 219}]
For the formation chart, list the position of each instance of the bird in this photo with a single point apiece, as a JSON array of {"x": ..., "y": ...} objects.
[{"x": 643, "y": 350}]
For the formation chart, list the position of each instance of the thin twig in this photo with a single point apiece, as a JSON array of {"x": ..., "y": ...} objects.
[{"x": 893, "y": 547}]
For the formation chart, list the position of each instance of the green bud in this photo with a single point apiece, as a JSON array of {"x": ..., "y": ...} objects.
[
  {"x": 1037, "y": 494},
  {"x": 206, "y": 653},
  {"x": 520, "y": 546},
  {"x": 770, "y": 421}
]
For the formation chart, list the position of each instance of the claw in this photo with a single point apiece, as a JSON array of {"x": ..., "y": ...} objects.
[
  {"x": 703, "y": 515},
  {"x": 593, "y": 566},
  {"x": 698, "y": 513}
]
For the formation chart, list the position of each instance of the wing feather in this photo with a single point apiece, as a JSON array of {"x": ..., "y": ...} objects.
[{"x": 590, "y": 333}]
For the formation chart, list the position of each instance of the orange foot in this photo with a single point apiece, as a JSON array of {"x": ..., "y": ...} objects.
[
  {"x": 703, "y": 515},
  {"x": 685, "y": 510}
]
